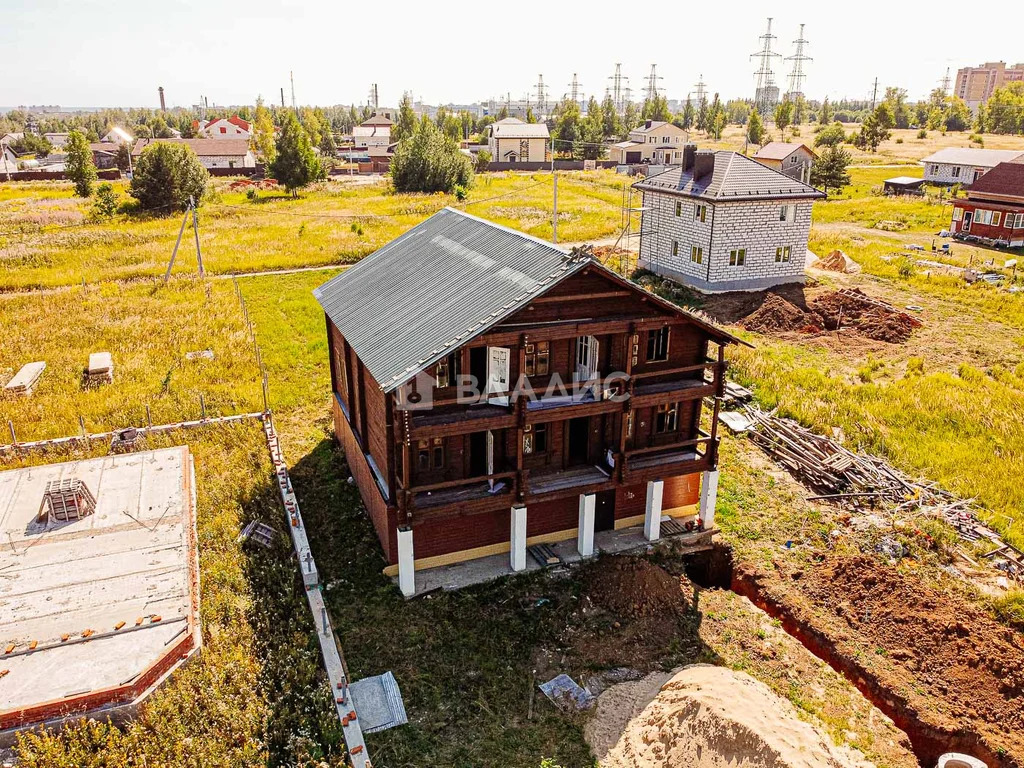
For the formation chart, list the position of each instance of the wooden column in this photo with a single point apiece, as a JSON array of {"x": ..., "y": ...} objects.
[{"x": 389, "y": 431}]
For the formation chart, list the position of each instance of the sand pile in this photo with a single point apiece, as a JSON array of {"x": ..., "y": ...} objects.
[
  {"x": 776, "y": 315},
  {"x": 632, "y": 587},
  {"x": 837, "y": 261},
  {"x": 706, "y": 717}
]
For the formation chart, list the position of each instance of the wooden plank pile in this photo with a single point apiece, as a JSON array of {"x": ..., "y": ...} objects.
[
  {"x": 101, "y": 369},
  {"x": 858, "y": 481},
  {"x": 25, "y": 380}
]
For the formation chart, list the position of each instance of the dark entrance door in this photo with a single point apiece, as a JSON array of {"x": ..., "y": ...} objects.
[
  {"x": 604, "y": 511},
  {"x": 578, "y": 437},
  {"x": 968, "y": 215},
  {"x": 477, "y": 454},
  {"x": 478, "y": 367}
]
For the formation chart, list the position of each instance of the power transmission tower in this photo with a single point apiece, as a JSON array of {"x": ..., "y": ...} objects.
[
  {"x": 702, "y": 89},
  {"x": 373, "y": 100},
  {"x": 874, "y": 94},
  {"x": 652, "y": 83},
  {"x": 797, "y": 75},
  {"x": 574, "y": 89},
  {"x": 766, "y": 94},
  {"x": 944, "y": 83},
  {"x": 619, "y": 91},
  {"x": 542, "y": 101}
]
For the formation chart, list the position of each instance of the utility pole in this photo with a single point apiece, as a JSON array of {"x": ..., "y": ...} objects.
[
  {"x": 282, "y": 97},
  {"x": 797, "y": 75},
  {"x": 554, "y": 204},
  {"x": 874, "y": 94},
  {"x": 295, "y": 107},
  {"x": 766, "y": 94},
  {"x": 195, "y": 228},
  {"x": 652, "y": 83}
]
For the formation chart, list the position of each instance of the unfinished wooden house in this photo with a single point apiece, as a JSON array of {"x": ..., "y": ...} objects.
[{"x": 492, "y": 391}]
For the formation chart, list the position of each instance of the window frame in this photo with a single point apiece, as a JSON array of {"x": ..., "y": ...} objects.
[
  {"x": 443, "y": 375},
  {"x": 700, "y": 212},
  {"x": 697, "y": 254},
  {"x": 535, "y": 439},
  {"x": 679, "y": 207},
  {"x": 738, "y": 257},
  {"x": 537, "y": 359},
  {"x": 658, "y": 340},
  {"x": 783, "y": 254},
  {"x": 666, "y": 418},
  {"x": 675, "y": 247},
  {"x": 431, "y": 455}
]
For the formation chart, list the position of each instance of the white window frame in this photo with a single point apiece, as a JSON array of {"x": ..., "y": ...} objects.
[
  {"x": 787, "y": 213},
  {"x": 783, "y": 254},
  {"x": 700, "y": 213},
  {"x": 679, "y": 207},
  {"x": 697, "y": 254},
  {"x": 738, "y": 257}
]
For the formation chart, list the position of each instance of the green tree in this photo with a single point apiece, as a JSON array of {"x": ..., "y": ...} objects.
[
  {"x": 483, "y": 159},
  {"x": 826, "y": 113},
  {"x": 630, "y": 118},
  {"x": 703, "y": 115},
  {"x": 737, "y": 111},
  {"x": 167, "y": 175},
  {"x": 799, "y": 110},
  {"x": 957, "y": 115},
  {"x": 896, "y": 98},
  {"x": 755, "y": 128},
  {"x": 123, "y": 157},
  {"x": 1006, "y": 109},
  {"x": 32, "y": 144},
  {"x": 263, "y": 133},
  {"x": 568, "y": 125},
  {"x": 79, "y": 165},
  {"x": 832, "y": 136},
  {"x": 429, "y": 161},
  {"x": 981, "y": 119},
  {"x": 688, "y": 116},
  {"x": 530, "y": 117},
  {"x": 656, "y": 109},
  {"x": 405, "y": 126},
  {"x": 829, "y": 170},
  {"x": 783, "y": 116},
  {"x": 611, "y": 125},
  {"x": 875, "y": 128},
  {"x": 592, "y": 134},
  {"x": 296, "y": 164},
  {"x": 105, "y": 204}
]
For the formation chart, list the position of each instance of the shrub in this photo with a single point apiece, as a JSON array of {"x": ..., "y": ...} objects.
[
  {"x": 167, "y": 175},
  {"x": 483, "y": 160},
  {"x": 905, "y": 269},
  {"x": 252, "y": 194},
  {"x": 923, "y": 133},
  {"x": 899, "y": 140},
  {"x": 105, "y": 204},
  {"x": 1009, "y": 608},
  {"x": 915, "y": 366},
  {"x": 79, "y": 165},
  {"x": 460, "y": 192},
  {"x": 832, "y": 136},
  {"x": 429, "y": 161}
]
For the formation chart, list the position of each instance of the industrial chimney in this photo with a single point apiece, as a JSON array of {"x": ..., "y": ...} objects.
[{"x": 163, "y": 104}]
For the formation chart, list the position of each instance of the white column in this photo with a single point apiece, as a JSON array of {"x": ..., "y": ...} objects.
[
  {"x": 708, "y": 495},
  {"x": 652, "y": 512},
  {"x": 406, "y": 563},
  {"x": 518, "y": 539},
  {"x": 585, "y": 534}
]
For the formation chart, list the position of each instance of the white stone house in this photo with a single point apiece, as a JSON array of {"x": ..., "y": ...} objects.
[
  {"x": 965, "y": 165},
  {"x": 117, "y": 135},
  {"x": 223, "y": 128},
  {"x": 374, "y": 132},
  {"x": 654, "y": 142},
  {"x": 513, "y": 141},
  {"x": 722, "y": 222},
  {"x": 213, "y": 153}
]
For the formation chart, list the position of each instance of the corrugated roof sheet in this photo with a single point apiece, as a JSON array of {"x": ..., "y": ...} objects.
[
  {"x": 735, "y": 177},
  {"x": 443, "y": 282},
  {"x": 503, "y": 130},
  {"x": 779, "y": 150},
  {"x": 202, "y": 147},
  {"x": 983, "y": 158}
]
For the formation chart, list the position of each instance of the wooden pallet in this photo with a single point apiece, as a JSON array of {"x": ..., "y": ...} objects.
[{"x": 544, "y": 555}]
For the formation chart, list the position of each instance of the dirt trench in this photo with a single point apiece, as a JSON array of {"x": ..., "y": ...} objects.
[{"x": 983, "y": 719}]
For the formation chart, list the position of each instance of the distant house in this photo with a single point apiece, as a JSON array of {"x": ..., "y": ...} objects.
[
  {"x": 8, "y": 160},
  {"x": 373, "y": 132},
  {"x": 721, "y": 221},
  {"x": 117, "y": 135},
  {"x": 57, "y": 140},
  {"x": 963, "y": 165},
  {"x": 994, "y": 208},
  {"x": 794, "y": 160},
  {"x": 11, "y": 138},
  {"x": 655, "y": 142},
  {"x": 223, "y": 128},
  {"x": 213, "y": 153},
  {"x": 104, "y": 154},
  {"x": 513, "y": 141}
]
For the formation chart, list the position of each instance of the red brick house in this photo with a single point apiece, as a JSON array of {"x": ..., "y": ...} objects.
[
  {"x": 589, "y": 418},
  {"x": 994, "y": 208}
]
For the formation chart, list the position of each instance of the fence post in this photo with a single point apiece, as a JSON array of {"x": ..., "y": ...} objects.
[
  {"x": 10, "y": 426},
  {"x": 266, "y": 395},
  {"x": 202, "y": 407},
  {"x": 149, "y": 417}
]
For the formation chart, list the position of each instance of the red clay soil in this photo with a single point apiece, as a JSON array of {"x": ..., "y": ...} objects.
[{"x": 947, "y": 674}]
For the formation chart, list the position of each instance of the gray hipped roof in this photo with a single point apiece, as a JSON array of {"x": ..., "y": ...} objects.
[
  {"x": 440, "y": 284},
  {"x": 735, "y": 177}
]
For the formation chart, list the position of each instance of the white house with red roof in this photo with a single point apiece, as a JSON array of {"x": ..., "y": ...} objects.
[{"x": 223, "y": 128}]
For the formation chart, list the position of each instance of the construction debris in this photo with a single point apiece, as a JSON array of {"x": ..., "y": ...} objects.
[
  {"x": 65, "y": 500},
  {"x": 860, "y": 482},
  {"x": 100, "y": 370},
  {"x": 734, "y": 393},
  {"x": 25, "y": 380},
  {"x": 565, "y": 694},
  {"x": 259, "y": 532},
  {"x": 379, "y": 702},
  {"x": 200, "y": 354}
]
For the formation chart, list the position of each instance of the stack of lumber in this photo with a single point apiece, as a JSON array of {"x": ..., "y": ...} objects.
[
  {"x": 101, "y": 368},
  {"x": 856, "y": 481},
  {"x": 25, "y": 380}
]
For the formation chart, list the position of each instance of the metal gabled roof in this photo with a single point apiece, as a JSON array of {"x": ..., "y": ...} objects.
[
  {"x": 734, "y": 177},
  {"x": 442, "y": 283}
]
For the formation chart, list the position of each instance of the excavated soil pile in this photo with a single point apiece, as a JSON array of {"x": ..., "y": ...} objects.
[
  {"x": 631, "y": 587},
  {"x": 706, "y": 717},
  {"x": 776, "y": 315},
  {"x": 852, "y": 311},
  {"x": 947, "y": 673}
]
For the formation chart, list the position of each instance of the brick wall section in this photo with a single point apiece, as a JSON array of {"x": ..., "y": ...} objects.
[
  {"x": 753, "y": 225},
  {"x": 439, "y": 537},
  {"x": 680, "y": 491}
]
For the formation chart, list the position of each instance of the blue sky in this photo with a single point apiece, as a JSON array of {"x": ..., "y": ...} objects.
[{"x": 87, "y": 53}]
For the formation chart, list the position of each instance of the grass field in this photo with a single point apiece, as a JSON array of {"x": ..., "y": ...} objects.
[{"x": 48, "y": 239}]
